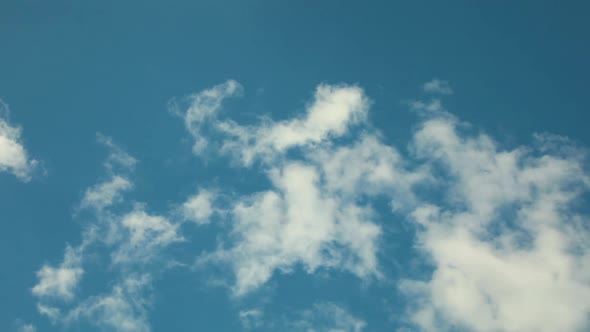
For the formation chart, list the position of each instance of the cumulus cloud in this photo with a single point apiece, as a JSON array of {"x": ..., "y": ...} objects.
[
  {"x": 199, "y": 207},
  {"x": 499, "y": 230},
  {"x": 502, "y": 236},
  {"x": 297, "y": 223},
  {"x": 60, "y": 282},
  {"x": 438, "y": 86},
  {"x": 312, "y": 215},
  {"x": 13, "y": 155},
  {"x": 509, "y": 250}
]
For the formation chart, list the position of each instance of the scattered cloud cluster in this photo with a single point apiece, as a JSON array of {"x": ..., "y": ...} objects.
[
  {"x": 312, "y": 215},
  {"x": 505, "y": 236},
  {"x": 13, "y": 155},
  {"x": 134, "y": 241},
  {"x": 499, "y": 229}
]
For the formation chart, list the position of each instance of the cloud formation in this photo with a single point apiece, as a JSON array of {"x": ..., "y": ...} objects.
[
  {"x": 13, "y": 155},
  {"x": 199, "y": 207},
  {"x": 322, "y": 316},
  {"x": 504, "y": 236},
  {"x": 312, "y": 215},
  {"x": 60, "y": 282},
  {"x": 132, "y": 241},
  {"x": 500, "y": 232},
  {"x": 437, "y": 86},
  {"x": 509, "y": 249}
]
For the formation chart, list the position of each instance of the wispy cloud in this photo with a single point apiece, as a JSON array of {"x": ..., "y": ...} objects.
[
  {"x": 438, "y": 86},
  {"x": 123, "y": 309},
  {"x": 322, "y": 316},
  {"x": 131, "y": 240},
  {"x": 25, "y": 327}
]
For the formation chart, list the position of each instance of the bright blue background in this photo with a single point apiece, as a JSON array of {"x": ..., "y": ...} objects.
[{"x": 69, "y": 69}]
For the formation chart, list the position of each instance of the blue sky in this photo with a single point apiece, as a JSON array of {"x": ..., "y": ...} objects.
[{"x": 294, "y": 166}]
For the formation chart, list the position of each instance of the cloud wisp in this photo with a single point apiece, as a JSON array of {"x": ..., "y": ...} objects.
[
  {"x": 322, "y": 316},
  {"x": 437, "y": 86}
]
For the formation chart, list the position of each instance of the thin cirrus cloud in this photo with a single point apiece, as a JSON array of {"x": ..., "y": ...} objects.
[
  {"x": 438, "y": 87},
  {"x": 25, "y": 327},
  {"x": 321, "y": 316},
  {"x": 14, "y": 158}
]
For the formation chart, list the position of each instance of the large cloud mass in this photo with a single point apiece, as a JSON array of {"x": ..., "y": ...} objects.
[
  {"x": 500, "y": 231},
  {"x": 508, "y": 250}
]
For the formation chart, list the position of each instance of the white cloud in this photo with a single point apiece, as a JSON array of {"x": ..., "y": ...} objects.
[
  {"x": 510, "y": 253},
  {"x": 203, "y": 108},
  {"x": 60, "y": 282},
  {"x": 298, "y": 223},
  {"x": 334, "y": 110},
  {"x": 105, "y": 194},
  {"x": 438, "y": 86},
  {"x": 123, "y": 309},
  {"x": 325, "y": 316},
  {"x": 198, "y": 208},
  {"x": 311, "y": 215},
  {"x": 133, "y": 240},
  {"x": 321, "y": 317},
  {"x": 118, "y": 159},
  {"x": 51, "y": 312},
  {"x": 368, "y": 167},
  {"x": 13, "y": 155},
  {"x": 25, "y": 327},
  {"x": 508, "y": 248},
  {"x": 143, "y": 237},
  {"x": 251, "y": 319}
]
